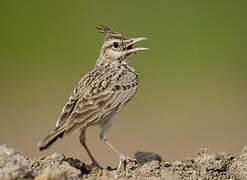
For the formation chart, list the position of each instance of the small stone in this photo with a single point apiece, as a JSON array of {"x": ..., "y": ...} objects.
[
  {"x": 62, "y": 171},
  {"x": 209, "y": 160},
  {"x": 13, "y": 165},
  {"x": 177, "y": 163},
  {"x": 166, "y": 164},
  {"x": 238, "y": 168},
  {"x": 144, "y": 157},
  {"x": 244, "y": 149}
]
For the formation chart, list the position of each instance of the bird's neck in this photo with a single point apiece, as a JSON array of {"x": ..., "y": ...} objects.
[{"x": 105, "y": 63}]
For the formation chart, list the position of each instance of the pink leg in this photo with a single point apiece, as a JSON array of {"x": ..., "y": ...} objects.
[
  {"x": 104, "y": 128},
  {"x": 83, "y": 143},
  {"x": 122, "y": 157}
]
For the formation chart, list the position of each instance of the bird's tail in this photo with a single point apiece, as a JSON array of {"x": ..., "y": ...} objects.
[{"x": 51, "y": 138}]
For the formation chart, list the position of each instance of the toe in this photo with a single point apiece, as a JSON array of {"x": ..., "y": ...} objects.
[{"x": 123, "y": 161}]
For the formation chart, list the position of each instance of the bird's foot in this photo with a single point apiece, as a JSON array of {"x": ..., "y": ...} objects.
[{"x": 123, "y": 161}]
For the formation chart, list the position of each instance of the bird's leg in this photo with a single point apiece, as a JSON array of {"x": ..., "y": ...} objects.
[
  {"x": 83, "y": 143},
  {"x": 122, "y": 157},
  {"x": 104, "y": 128}
]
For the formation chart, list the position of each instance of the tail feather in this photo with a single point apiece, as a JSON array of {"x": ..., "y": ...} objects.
[{"x": 50, "y": 139}]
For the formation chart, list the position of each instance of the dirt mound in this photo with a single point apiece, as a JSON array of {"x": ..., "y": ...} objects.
[{"x": 205, "y": 165}]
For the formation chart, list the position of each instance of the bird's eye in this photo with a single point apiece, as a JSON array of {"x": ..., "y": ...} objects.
[{"x": 115, "y": 44}]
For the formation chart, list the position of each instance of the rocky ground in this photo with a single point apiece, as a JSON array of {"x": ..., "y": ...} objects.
[{"x": 205, "y": 165}]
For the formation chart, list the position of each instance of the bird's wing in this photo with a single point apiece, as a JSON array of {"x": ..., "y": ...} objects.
[
  {"x": 71, "y": 103},
  {"x": 106, "y": 93},
  {"x": 67, "y": 110}
]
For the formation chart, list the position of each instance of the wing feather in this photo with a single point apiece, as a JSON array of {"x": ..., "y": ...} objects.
[{"x": 98, "y": 96}]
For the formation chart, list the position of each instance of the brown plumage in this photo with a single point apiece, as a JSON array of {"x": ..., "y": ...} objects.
[{"x": 101, "y": 94}]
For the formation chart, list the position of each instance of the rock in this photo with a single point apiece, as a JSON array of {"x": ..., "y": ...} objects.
[
  {"x": 244, "y": 149},
  {"x": 144, "y": 157},
  {"x": 208, "y": 160},
  {"x": 238, "y": 168},
  {"x": 62, "y": 172},
  {"x": 13, "y": 165},
  {"x": 210, "y": 164},
  {"x": 206, "y": 165},
  {"x": 170, "y": 176},
  {"x": 150, "y": 169},
  {"x": 57, "y": 166}
]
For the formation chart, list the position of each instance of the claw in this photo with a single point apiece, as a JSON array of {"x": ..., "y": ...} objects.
[{"x": 123, "y": 161}]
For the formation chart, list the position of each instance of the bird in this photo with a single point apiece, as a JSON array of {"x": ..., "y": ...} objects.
[{"x": 101, "y": 94}]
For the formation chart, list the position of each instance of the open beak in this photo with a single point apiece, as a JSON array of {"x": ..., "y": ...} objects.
[{"x": 130, "y": 42}]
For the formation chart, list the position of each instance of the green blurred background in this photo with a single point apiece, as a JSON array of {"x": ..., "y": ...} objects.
[{"x": 192, "y": 90}]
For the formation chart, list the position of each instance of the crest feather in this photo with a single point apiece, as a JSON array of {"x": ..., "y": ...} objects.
[{"x": 110, "y": 34}]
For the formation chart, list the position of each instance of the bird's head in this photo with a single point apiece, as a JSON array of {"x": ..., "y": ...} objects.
[{"x": 118, "y": 48}]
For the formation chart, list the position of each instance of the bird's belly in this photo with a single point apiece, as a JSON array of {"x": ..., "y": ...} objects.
[
  {"x": 114, "y": 117},
  {"x": 111, "y": 119}
]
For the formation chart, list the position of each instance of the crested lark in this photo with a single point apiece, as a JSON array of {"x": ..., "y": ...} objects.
[{"x": 101, "y": 94}]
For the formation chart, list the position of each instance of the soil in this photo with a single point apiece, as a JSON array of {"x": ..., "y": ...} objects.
[{"x": 205, "y": 165}]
